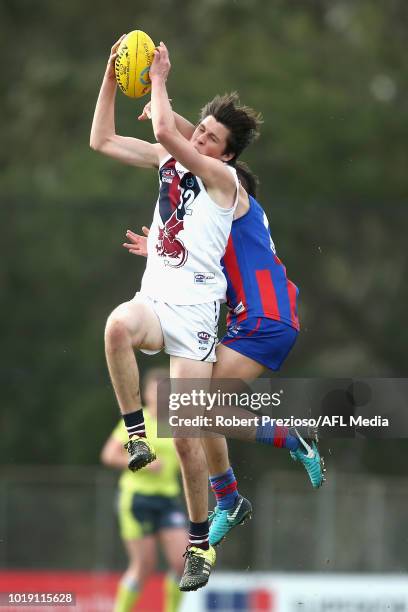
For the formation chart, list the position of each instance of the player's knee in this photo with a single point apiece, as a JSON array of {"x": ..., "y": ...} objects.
[{"x": 116, "y": 334}]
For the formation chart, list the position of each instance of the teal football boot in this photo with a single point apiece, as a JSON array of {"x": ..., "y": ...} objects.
[
  {"x": 222, "y": 521},
  {"x": 309, "y": 457}
]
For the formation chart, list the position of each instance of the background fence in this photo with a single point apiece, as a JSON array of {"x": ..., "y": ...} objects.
[{"x": 63, "y": 518}]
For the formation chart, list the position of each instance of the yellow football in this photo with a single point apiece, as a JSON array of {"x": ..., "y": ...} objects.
[{"x": 132, "y": 64}]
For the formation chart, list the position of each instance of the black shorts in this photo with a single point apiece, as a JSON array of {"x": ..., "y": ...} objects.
[{"x": 142, "y": 515}]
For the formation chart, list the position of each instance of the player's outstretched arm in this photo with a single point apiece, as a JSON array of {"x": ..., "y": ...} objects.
[
  {"x": 184, "y": 126},
  {"x": 212, "y": 171},
  {"x": 104, "y": 139}
]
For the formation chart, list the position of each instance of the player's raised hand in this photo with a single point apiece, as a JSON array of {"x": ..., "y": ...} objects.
[
  {"x": 160, "y": 67},
  {"x": 137, "y": 244},
  {"x": 110, "y": 68},
  {"x": 147, "y": 111}
]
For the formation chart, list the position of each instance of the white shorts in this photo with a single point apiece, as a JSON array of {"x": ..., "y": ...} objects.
[{"x": 188, "y": 331}]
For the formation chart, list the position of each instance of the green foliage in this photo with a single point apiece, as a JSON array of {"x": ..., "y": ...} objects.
[{"x": 330, "y": 80}]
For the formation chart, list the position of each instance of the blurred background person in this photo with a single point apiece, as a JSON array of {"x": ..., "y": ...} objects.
[{"x": 149, "y": 509}]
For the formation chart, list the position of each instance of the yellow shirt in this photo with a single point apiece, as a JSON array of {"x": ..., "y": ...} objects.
[{"x": 147, "y": 482}]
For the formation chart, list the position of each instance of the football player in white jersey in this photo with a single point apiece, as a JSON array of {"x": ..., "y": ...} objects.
[
  {"x": 232, "y": 509},
  {"x": 178, "y": 305}
]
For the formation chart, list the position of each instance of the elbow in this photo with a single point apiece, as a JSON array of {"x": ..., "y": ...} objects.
[
  {"x": 98, "y": 141},
  {"x": 162, "y": 134},
  {"x": 96, "y": 144},
  {"x": 105, "y": 456}
]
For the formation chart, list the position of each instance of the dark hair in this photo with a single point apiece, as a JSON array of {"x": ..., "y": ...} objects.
[
  {"x": 241, "y": 121},
  {"x": 247, "y": 178}
]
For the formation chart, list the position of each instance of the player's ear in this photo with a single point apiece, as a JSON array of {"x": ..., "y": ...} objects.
[{"x": 226, "y": 157}]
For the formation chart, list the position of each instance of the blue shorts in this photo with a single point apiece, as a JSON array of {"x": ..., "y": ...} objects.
[{"x": 264, "y": 340}]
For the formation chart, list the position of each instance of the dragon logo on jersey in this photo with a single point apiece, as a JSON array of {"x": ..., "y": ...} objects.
[{"x": 169, "y": 245}]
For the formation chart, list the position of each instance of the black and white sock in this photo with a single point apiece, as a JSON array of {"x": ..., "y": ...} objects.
[
  {"x": 198, "y": 535},
  {"x": 135, "y": 425}
]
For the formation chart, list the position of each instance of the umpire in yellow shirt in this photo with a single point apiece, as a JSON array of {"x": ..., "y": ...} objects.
[{"x": 149, "y": 510}]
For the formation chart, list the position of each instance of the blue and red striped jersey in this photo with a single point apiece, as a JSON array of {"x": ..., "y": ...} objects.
[{"x": 257, "y": 281}]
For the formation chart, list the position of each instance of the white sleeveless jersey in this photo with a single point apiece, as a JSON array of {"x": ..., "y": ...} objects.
[{"x": 187, "y": 240}]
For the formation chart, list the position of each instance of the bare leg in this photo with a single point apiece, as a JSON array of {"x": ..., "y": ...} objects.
[
  {"x": 194, "y": 472},
  {"x": 131, "y": 325},
  {"x": 142, "y": 561},
  {"x": 190, "y": 451},
  {"x": 230, "y": 364},
  {"x": 174, "y": 542}
]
